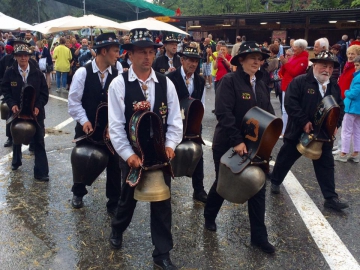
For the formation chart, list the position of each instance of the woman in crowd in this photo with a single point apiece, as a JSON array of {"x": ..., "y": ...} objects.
[
  {"x": 335, "y": 49},
  {"x": 45, "y": 53},
  {"x": 222, "y": 63},
  {"x": 238, "y": 92},
  {"x": 291, "y": 68},
  {"x": 273, "y": 64},
  {"x": 347, "y": 75},
  {"x": 351, "y": 122}
]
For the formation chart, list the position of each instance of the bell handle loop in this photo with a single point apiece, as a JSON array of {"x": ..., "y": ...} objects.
[{"x": 154, "y": 167}]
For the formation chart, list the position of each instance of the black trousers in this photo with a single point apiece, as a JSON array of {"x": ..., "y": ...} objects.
[
  {"x": 160, "y": 216},
  {"x": 324, "y": 167},
  {"x": 256, "y": 206},
  {"x": 113, "y": 181},
  {"x": 41, "y": 167}
]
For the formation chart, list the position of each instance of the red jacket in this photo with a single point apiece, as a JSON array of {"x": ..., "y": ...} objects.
[
  {"x": 296, "y": 66},
  {"x": 346, "y": 77}
]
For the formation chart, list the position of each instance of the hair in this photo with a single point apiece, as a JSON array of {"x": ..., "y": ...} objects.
[
  {"x": 107, "y": 48},
  {"x": 62, "y": 40},
  {"x": 40, "y": 44},
  {"x": 357, "y": 59},
  {"x": 210, "y": 36},
  {"x": 274, "y": 48},
  {"x": 290, "y": 51},
  {"x": 243, "y": 38},
  {"x": 238, "y": 38},
  {"x": 44, "y": 41},
  {"x": 221, "y": 43},
  {"x": 195, "y": 45},
  {"x": 301, "y": 43},
  {"x": 344, "y": 37},
  {"x": 354, "y": 48},
  {"x": 324, "y": 42}
]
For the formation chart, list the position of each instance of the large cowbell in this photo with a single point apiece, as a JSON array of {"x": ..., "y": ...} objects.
[
  {"x": 88, "y": 162},
  {"x": 325, "y": 122},
  {"x": 189, "y": 151},
  {"x": 4, "y": 111},
  {"x": 148, "y": 142},
  {"x": 23, "y": 122},
  {"x": 241, "y": 177}
]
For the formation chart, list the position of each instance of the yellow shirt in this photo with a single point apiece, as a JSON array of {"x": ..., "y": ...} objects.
[
  {"x": 62, "y": 56},
  {"x": 213, "y": 71}
]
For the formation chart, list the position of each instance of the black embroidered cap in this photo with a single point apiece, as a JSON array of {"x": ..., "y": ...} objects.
[
  {"x": 141, "y": 37},
  {"x": 326, "y": 56},
  {"x": 190, "y": 52},
  {"x": 171, "y": 39},
  {"x": 247, "y": 48},
  {"x": 105, "y": 39}
]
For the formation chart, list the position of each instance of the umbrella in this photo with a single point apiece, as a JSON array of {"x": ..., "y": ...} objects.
[
  {"x": 151, "y": 24},
  {"x": 9, "y": 23},
  {"x": 87, "y": 21},
  {"x": 45, "y": 27}
]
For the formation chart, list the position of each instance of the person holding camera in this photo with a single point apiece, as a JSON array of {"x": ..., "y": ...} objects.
[{"x": 84, "y": 52}]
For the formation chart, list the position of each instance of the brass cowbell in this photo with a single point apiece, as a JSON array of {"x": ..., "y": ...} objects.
[
  {"x": 152, "y": 187},
  {"x": 313, "y": 150}
]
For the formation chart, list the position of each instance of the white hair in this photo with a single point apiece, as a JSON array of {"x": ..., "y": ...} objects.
[
  {"x": 301, "y": 43},
  {"x": 324, "y": 42},
  {"x": 344, "y": 37}
]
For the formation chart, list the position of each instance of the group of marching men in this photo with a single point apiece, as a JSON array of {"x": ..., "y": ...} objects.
[{"x": 100, "y": 82}]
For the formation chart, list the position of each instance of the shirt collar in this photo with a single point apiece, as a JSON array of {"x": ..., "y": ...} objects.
[
  {"x": 325, "y": 83},
  {"x": 96, "y": 68},
  {"x": 27, "y": 69},
  {"x": 183, "y": 73},
  {"x": 132, "y": 76},
  {"x": 168, "y": 56}
]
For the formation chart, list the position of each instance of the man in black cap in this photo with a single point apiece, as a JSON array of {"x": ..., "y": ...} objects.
[
  {"x": 189, "y": 84},
  {"x": 303, "y": 95},
  {"x": 6, "y": 62},
  {"x": 20, "y": 73},
  {"x": 170, "y": 61},
  {"x": 88, "y": 89},
  {"x": 142, "y": 83}
]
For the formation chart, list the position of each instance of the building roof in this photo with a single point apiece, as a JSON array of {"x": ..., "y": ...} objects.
[
  {"x": 121, "y": 10},
  {"x": 319, "y": 16}
]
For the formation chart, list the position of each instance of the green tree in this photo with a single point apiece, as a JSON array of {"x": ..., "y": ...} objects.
[{"x": 355, "y": 3}]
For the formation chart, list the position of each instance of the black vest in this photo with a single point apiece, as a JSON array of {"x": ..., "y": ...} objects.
[
  {"x": 181, "y": 89},
  {"x": 134, "y": 94},
  {"x": 93, "y": 95},
  {"x": 161, "y": 64}
]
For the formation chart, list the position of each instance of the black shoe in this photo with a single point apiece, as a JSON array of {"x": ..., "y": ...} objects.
[
  {"x": 42, "y": 178},
  {"x": 275, "y": 189},
  {"x": 210, "y": 225},
  {"x": 77, "y": 202},
  {"x": 165, "y": 264},
  {"x": 31, "y": 147},
  {"x": 15, "y": 167},
  {"x": 265, "y": 246},
  {"x": 200, "y": 196},
  {"x": 8, "y": 143},
  {"x": 115, "y": 239},
  {"x": 213, "y": 111},
  {"x": 336, "y": 204}
]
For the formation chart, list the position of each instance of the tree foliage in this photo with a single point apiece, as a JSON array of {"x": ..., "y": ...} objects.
[{"x": 211, "y": 7}]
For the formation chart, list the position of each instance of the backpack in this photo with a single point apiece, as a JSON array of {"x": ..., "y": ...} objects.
[{"x": 274, "y": 75}]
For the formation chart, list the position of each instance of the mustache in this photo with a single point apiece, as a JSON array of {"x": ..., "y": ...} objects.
[{"x": 325, "y": 73}]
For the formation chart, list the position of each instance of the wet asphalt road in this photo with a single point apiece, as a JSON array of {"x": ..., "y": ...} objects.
[{"x": 40, "y": 230}]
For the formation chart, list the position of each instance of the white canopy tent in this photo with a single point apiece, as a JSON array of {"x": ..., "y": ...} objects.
[
  {"x": 87, "y": 21},
  {"x": 45, "y": 27},
  {"x": 9, "y": 23},
  {"x": 151, "y": 24}
]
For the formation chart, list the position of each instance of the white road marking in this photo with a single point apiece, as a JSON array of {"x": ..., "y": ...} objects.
[
  {"x": 329, "y": 243},
  {"x": 59, "y": 98}
]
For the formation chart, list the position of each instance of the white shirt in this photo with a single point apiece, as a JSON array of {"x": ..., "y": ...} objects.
[
  {"x": 321, "y": 86},
  {"x": 75, "y": 108},
  {"x": 117, "y": 119},
  {"x": 27, "y": 70},
  {"x": 191, "y": 85}
]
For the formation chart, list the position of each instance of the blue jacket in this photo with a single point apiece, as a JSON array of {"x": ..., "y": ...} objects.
[{"x": 352, "y": 96}]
